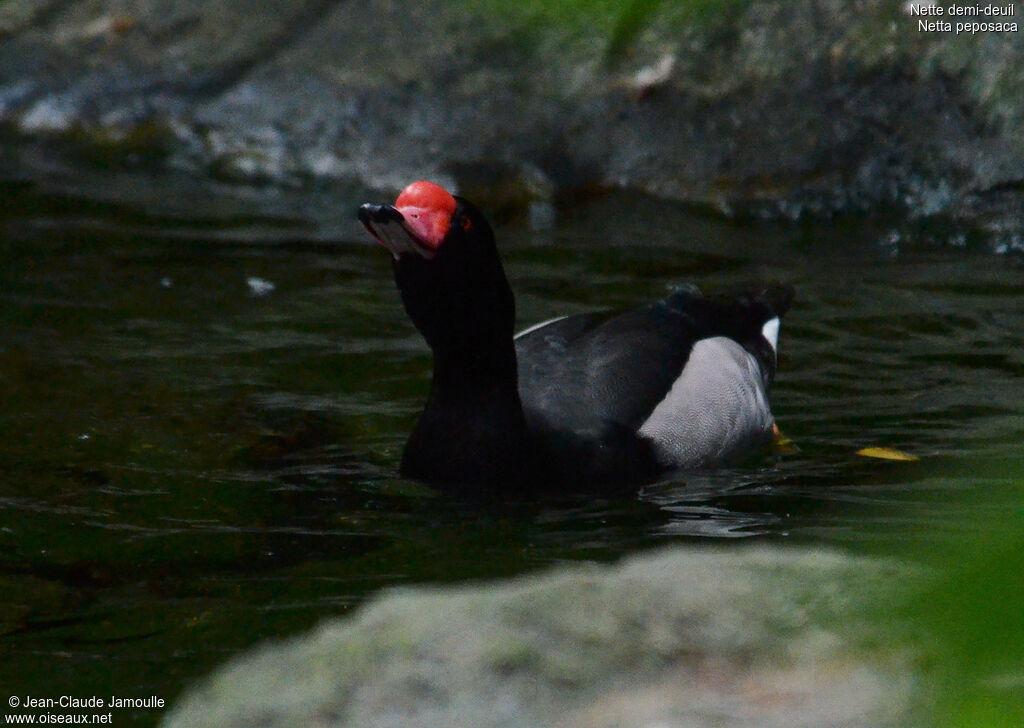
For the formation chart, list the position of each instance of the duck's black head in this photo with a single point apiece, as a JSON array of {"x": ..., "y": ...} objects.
[{"x": 447, "y": 268}]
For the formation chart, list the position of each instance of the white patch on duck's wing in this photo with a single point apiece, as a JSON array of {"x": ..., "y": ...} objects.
[
  {"x": 716, "y": 410},
  {"x": 541, "y": 325},
  {"x": 770, "y": 331}
]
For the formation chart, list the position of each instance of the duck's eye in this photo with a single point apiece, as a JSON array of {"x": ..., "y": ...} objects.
[{"x": 466, "y": 223}]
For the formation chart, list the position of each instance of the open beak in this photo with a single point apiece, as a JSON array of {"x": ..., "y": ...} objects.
[{"x": 393, "y": 231}]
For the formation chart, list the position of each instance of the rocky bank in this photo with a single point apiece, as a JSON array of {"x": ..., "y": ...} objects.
[
  {"x": 765, "y": 108},
  {"x": 679, "y": 638}
]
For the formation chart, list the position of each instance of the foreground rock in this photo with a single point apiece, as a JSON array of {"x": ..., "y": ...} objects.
[
  {"x": 755, "y": 637},
  {"x": 774, "y": 108}
]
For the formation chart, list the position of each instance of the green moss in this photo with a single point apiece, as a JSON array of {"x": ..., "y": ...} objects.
[
  {"x": 972, "y": 612},
  {"x": 616, "y": 22}
]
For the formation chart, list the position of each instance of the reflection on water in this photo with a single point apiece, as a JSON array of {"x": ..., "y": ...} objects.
[{"x": 189, "y": 467}]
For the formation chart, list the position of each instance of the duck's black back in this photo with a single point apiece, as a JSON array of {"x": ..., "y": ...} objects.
[{"x": 597, "y": 378}]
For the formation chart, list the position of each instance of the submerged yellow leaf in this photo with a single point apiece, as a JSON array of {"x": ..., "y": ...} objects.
[{"x": 886, "y": 453}]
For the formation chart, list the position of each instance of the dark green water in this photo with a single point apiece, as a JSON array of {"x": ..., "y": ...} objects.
[{"x": 205, "y": 394}]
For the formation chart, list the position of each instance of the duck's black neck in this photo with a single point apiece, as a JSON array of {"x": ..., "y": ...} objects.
[
  {"x": 467, "y": 366},
  {"x": 472, "y": 429}
]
